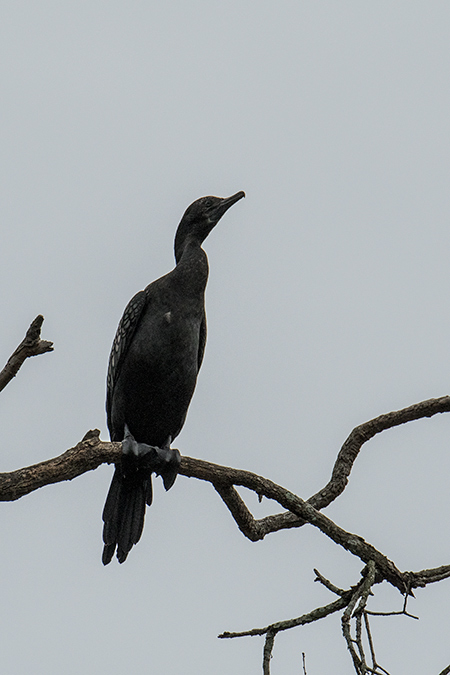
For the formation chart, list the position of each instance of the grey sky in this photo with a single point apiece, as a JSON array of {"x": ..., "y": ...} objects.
[{"x": 327, "y": 305}]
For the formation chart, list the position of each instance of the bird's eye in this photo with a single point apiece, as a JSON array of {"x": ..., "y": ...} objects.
[{"x": 208, "y": 202}]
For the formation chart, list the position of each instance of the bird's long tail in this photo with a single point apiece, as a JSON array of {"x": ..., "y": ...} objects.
[{"x": 124, "y": 511}]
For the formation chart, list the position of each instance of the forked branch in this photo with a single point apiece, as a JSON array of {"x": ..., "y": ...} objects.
[{"x": 31, "y": 345}]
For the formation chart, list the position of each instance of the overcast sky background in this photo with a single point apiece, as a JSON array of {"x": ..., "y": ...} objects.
[{"x": 328, "y": 304}]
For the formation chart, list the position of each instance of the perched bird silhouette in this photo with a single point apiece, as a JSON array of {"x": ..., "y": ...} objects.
[{"x": 153, "y": 366}]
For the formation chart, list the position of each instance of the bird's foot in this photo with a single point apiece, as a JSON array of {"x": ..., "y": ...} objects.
[
  {"x": 169, "y": 460},
  {"x": 165, "y": 462}
]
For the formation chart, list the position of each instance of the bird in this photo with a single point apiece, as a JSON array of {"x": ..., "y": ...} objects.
[{"x": 155, "y": 358}]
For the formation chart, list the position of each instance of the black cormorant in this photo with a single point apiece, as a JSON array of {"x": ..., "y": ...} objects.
[{"x": 153, "y": 367}]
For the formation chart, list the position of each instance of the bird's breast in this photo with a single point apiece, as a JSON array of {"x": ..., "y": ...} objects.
[{"x": 165, "y": 348}]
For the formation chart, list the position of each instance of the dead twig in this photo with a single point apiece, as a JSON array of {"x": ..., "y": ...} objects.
[
  {"x": 310, "y": 617},
  {"x": 348, "y": 600},
  {"x": 31, "y": 345},
  {"x": 361, "y": 592},
  {"x": 273, "y": 629},
  {"x": 331, "y": 587},
  {"x": 361, "y": 595},
  {"x": 402, "y": 613}
]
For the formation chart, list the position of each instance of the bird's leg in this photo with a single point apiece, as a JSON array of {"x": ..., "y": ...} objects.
[
  {"x": 136, "y": 456},
  {"x": 169, "y": 463},
  {"x": 164, "y": 461}
]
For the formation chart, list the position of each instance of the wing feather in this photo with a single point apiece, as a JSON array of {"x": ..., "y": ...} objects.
[
  {"x": 122, "y": 340},
  {"x": 201, "y": 342}
]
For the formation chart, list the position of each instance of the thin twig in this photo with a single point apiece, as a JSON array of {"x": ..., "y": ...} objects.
[
  {"x": 402, "y": 613},
  {"x": 370, "y": 640},
  {"x": 31, "y": 345},
  {"x": 346, "y": 628},
  {"x": 361, "y": 593},
  {"x": 359, "y": 643},
  {"x": 376, "y": 668},
  {"x": 331, "y": 587},
  {"x": 310, "y": 617}
]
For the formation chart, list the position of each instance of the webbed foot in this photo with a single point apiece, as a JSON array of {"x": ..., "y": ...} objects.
[
  {"x": 165, "y": 462},
  {"x": 169, "y": 460}
]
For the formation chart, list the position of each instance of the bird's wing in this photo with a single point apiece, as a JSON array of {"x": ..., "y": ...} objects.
[
  {"x": 122, "y": 340},
  {"x": 201, "y": 342}
]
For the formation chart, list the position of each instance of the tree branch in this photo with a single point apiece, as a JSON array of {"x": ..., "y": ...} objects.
[
  {"x": 325, "y": 582},
  {"x": 424, "y": 577},
  {"x": 31, "y": 345},
  {"x": 91, "y": 452},
  {"x": 87, "y": 455},
  {"x": 224, "y": 477},
  {"x": 363, "y": 433},
  {"x": 345, "y": 460},
  {"x": 267, "y": 651},
  {"x": 315, "y": 615}
]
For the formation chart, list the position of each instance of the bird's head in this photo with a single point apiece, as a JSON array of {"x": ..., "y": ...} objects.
[{"x": 200, "y": 218}]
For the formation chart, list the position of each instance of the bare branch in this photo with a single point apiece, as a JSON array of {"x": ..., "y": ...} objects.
[
  {"x": 331, "y": 587},
  {"x": 257, "y": 529},
  {"x": 267, "y": 652},
  {"x": 87, "y": 455},
  {"x": 353, "y": 601},
  {"x": 310, "y": 617},
  {"x": 370, "y": 640},
  {"x": 402, "y": 613},
  {"x": 363, "y": 433},
  {"x": 225, "y": 477},
  {"x": 91, "y": 452},
  {"x": 424, "y": 577},
  {"x": 376, "y": 668},
  {"x": 31, "y": 345},
  {"x": 250, "y": 528},
  {"x": 361, "y": 591}
]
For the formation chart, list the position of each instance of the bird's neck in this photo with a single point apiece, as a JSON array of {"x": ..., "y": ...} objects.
[{"x": 192, "y": 266}]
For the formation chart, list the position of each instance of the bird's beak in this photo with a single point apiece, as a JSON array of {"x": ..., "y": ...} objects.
[
  {"x": 225, "y": 204},
  {"x": 229, "y": 201}
]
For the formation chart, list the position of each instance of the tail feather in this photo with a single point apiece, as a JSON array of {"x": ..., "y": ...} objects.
[
  {"x": 149, "y": 492},
  {"x": 131, "y": 490},
  {"x": 124, "y": 513},
  {"x": 110, "y": 509}
]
